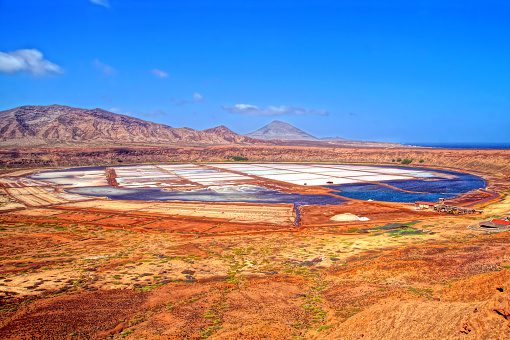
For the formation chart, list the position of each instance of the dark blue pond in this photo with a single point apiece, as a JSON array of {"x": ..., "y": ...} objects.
[
  {"x": 240, "y": 193},
  {"x": 430, "y": 189}
]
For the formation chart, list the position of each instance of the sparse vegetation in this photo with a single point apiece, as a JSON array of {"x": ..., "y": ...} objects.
[
  {"x": 312, "y": 299},
  {"x": 149, "y": 287},
  {"x": 126, "y": 332},
  {"x": 323, "y": 328},
  {"x": 214, "y": 316},
  {"x": 405, "y": 232},
  {"x": 425, "y": 292},
  {"x": 238, "y": 158},
  {"x": 348, "y": 311}
]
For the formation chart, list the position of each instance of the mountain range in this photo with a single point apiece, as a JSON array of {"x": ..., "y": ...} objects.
[{"x": 58, "y": 126}]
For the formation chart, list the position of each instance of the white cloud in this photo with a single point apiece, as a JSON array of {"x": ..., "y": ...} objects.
[
  {"x": 155, "y": 113},
  {"x": 159, "y": 73},
  {"x": 106, "y": 69},
  {"x": 104, "y": 3},
  {"x": 118, "y": 110},
  {"x": 29, "y": 60},
  {"x": 197, "y": 97},
  {"x": 254, "y": 110}
]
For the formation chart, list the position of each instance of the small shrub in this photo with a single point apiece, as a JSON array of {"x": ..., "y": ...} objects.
[
  {"x": 426, "y": 292},
  {"x": 406, "y": 161},
  {"x": 126, "y": 332},
  {"x": 239, "y": 158},
  {"x": 323, "y": 328}
]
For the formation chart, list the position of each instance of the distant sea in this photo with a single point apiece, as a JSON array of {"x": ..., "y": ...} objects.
[{"x": 497, "y": 146}]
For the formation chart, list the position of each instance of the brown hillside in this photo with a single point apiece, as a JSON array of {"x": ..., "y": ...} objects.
[{"x": 62, "y": 125}]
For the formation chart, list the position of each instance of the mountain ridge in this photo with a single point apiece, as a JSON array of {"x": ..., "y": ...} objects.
[
  {"x": 33, "y": 126},
  {"x": 54, "y": 125}
]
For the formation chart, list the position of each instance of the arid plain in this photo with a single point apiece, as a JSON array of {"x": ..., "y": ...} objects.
[
  {"x": 85, "y": 267},
  {"x": 254, "y": 170}
]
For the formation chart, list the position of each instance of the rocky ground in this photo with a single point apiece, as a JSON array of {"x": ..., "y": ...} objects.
[
  {"x": 112, "y": 274},
  {"x": 415, "y": 279}
]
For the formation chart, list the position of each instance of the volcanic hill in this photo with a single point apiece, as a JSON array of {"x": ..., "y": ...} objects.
[
  {"x": 278, "y": 130},
  {"x": 57, "y": 125}
]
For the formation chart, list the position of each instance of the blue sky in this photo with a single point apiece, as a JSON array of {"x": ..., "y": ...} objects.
[{"x": 430, "y": 71}]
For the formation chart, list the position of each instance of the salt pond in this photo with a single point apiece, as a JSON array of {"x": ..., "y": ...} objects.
[
  {"x": 229, "y": 182},
  {"x": 415, "y": 190},
  {"x": 231, "y": 193}
]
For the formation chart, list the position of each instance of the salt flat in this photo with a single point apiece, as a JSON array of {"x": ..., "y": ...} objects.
[
  {"x": 184, "y": 175},
  {"x": 323, "y": 174}
]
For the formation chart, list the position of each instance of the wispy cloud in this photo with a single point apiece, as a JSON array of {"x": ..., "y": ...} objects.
[
  {"x": 254, "y": 110},
  {"x": 119, "y": 111},
  {"x": 29, "y": 60},
  {"x": 195, "y": 98},
  {"x": 103, "y": 3},
  {"x": 105, "y": 69},
  {"x": 159, "y": 73},
  {"x": 155, "y": 113}
]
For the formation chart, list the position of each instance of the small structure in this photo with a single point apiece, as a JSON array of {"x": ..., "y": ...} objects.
[
  {"x": 424, "y": 205},
  {"x": 454, "y": 210},
  {"x": 494, "y": 225},
  {"x": 442, "y": 207},
  {"x": 501, "y": 222}
]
